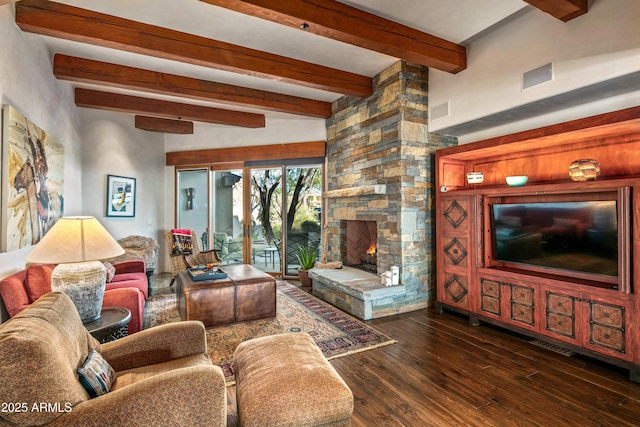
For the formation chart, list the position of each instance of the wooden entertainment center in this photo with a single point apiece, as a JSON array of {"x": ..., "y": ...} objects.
[{"x": 579, "y": 307}]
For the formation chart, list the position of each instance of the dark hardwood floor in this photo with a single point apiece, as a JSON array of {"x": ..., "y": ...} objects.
[{"x": 445, "y": 372}]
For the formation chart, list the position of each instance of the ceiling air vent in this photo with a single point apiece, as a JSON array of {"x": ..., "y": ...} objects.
[
  {"x": 441, "y": 110},
  {"x": 537, "y": 76}
]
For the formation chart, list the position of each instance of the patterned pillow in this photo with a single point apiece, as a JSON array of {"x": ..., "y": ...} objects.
[
  {"x": 96, "y": 375},
  {"x": 111, "y": 271},
  {"x": 181, "y": 242}
]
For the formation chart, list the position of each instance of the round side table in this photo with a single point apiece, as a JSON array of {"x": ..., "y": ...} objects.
[{"x": 111, "y": 325}]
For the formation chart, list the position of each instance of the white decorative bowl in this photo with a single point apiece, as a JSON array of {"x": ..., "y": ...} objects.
[{"x": 517, "y": 180}]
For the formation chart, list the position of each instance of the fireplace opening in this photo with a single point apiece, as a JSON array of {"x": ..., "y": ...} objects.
[{"x": 362, "y": 245}]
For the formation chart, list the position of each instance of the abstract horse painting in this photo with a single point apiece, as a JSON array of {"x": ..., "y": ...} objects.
[{"x": 33, "y": 181}]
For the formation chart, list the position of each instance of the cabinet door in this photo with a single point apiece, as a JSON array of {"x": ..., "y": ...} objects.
[
  {"x": 522, "y": 306},
  {"x": 491, "y": 297},
  {"x": 598, "y": 324},
  {"x": 606, "y": 327},
  {"x": 508, "y": 302},
  {"x": 562, "y": 312},
  {"x": 454, "y": 252},
  {"x": 455, "y": 290}
]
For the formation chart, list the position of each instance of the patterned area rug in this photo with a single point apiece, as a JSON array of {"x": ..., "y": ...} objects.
[{"x": 336, "y": 333}]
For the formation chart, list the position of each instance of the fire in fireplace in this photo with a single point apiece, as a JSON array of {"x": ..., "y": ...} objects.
[
  {"x": 361, "y": 239},
  {"x": 370, "y": 260}
]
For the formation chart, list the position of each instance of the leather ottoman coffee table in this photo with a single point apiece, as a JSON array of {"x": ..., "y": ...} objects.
[{"x": 245, "y": 294}]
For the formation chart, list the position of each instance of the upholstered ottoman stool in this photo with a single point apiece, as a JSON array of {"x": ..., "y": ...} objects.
[
  {"x": 284, "y": 380},
  {"x": 245, "y": 294}
]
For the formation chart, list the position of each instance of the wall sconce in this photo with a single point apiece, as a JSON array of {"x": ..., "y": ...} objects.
[{"x": 191, "y": 198}]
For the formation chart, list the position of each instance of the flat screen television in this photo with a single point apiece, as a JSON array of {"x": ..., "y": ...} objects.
[{"x": 571, "y": 236}]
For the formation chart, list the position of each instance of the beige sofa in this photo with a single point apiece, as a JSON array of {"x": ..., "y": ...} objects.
[{"x": 163, "y": 375}]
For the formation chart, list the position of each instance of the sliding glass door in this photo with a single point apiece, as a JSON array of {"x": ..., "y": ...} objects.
[
  {"x": 259, "y": 215},
  {"x": 265, "y": 201},
  {"x": 192, "y": 200},
  {"x": 227, "y": 215},
  {"x": 303, "y": 213},
  {"x": 211, "y": 204}
]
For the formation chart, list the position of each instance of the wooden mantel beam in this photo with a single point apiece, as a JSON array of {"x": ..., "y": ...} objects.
[
  {"x": 81, "y": 25},
  {"x": 174, "y": 110},
  {"x": 564, "y": 10},
  {"x": 335, "y": 20},
  {"x": 120, "y": 76}
]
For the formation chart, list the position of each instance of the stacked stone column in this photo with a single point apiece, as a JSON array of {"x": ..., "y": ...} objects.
[{"x": 384, "y": 141}]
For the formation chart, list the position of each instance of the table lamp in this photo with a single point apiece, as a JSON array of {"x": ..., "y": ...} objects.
[{"x": 76, "y": 244}]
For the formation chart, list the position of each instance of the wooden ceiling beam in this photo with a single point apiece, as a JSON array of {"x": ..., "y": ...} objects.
[
  {"x": 338, "y": 21},
  {"x": 297, "y": 150},
  {"x": 81, "y": 25},
  {"x": 156, "y": 124},
  {"x": 174, "y": 110},
  {"x": 119, "y": 76},
  {"x": 564, "y": 10}
]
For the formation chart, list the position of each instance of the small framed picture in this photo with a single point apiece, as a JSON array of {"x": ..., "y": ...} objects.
[{"x": 121, "y": 196}]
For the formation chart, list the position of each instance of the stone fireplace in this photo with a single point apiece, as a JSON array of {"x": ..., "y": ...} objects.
[
  {"x": 380, "y": 170},
  {"x": 361, "y": 244}
]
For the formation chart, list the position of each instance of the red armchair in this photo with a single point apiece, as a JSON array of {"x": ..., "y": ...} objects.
[{"x": 129, "y": 289}]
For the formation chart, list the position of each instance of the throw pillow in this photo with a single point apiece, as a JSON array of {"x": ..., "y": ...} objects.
[
  {"x": 111, "y": 271},
  {"x": 96, "y": 375},
  {"x": 181, "y": 242},
  {"x": 38, "y": 280}
]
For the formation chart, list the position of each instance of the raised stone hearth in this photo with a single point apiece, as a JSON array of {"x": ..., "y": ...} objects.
[
  {"x": 357, "y": 292},
  {"x": 380, "y": 168}
]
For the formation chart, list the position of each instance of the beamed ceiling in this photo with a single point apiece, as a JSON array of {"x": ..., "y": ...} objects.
[{"x": 238, "y": 62}]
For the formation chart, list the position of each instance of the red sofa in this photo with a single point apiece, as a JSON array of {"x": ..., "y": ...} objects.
[{"x": 128, "y": 288}]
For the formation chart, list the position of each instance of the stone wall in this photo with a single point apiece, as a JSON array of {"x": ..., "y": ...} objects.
[{"x": 380, "y": 167}]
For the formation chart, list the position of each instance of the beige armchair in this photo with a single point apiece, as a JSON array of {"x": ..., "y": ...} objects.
[
  {"x": 163, "y": 374},
  {"x": 139, "y": 247}
]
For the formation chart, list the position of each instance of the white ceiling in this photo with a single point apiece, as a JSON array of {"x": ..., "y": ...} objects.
[{"x": 453, "y": 20}]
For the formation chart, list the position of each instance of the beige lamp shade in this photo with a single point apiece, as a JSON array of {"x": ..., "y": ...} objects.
[
  {"x": 75, "y": 239},
  {"x": 76, "y": 244}
]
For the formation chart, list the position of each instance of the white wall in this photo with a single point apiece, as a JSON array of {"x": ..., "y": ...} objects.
[
  {"x": 111, "y": 145},
  {"x": 598, "y": 46},
  {"x": 276, "y": 131},
  {"x": 27, "y": 83}
]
